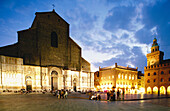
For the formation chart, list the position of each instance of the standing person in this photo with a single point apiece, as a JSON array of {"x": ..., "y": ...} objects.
[
  {"x": 65, "y": 95},
  {"x": 98, "y": 96},
  {"x": 114, "y": 95},
  {"x": 118, "y": 95},
  {"x": 108, "y": 95},
  {"x": 123, "y": 94}
]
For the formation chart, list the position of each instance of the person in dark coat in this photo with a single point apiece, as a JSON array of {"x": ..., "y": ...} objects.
[
  {"x": 108, "y": 95},
  {"x": 118, "y": 95}
]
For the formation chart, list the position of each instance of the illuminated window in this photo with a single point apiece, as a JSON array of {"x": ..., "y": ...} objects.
[
  {"x": 119, "y": 76},
  {"x": 126, "y": 76},
  {"x": 133, "y": 77},
  {"x": 109, "y": 77},
  {"x": 113, "y": 76},
  {"x": 129, "y": 76},
  {"x": 122, "y": 76}
]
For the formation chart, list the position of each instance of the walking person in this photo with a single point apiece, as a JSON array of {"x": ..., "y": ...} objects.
[
  {"x": 65, "y": 95},
  {"x": 123, "y": 94},
  {"x": 118, "y": 95},
  {"x": 108, "y": 95},
  {"x": 114, "y": 95}
]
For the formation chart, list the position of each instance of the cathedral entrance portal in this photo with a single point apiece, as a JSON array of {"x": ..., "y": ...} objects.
[
  {"x": 28, "y": 83},
  {"x": 54, "y": 80},
  {"x": 74, "y": 84}
]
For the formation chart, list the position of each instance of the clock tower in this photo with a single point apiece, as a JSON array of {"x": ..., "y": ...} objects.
[{"x": 156, "y": 56}]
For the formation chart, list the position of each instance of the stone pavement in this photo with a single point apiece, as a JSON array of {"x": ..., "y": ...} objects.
[{"x": 47, "y": 102}]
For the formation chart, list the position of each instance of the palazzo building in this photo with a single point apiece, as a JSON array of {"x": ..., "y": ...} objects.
[
  {"x": 118, "y": 77},
  {"x": 45, "y": 57},
  {"x": 157, "y": 72}
]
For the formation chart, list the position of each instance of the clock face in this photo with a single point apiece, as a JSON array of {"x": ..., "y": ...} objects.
[{"x": 152, "y": 61}]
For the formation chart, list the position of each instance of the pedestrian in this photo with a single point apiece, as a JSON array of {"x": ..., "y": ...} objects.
[
  {"x": 98, "y": 96},
  {"x": 65, "y": 95},
  {"x": 123, "y": 94},
  {"x": 108, "y": 95},
  {"x": 114, "y": 95},
  {"x": 118, "y": 95}
]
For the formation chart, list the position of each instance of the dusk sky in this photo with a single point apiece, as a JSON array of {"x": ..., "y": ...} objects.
[{"x": 108, "y": 31}]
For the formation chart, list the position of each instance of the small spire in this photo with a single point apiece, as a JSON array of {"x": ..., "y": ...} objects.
[{"x": 53, "y": 7}]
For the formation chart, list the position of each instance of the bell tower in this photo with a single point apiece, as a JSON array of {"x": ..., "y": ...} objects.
[
  {"x": 156, "y": 56},
  {"x": 155, "y": 46}
]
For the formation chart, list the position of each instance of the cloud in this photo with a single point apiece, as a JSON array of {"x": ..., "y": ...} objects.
[{"x": 154, "y": 30}]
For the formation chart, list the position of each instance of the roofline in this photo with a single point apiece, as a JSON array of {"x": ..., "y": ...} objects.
[
  {"x": 53, "y": 11},
  {"x": 74, "y": 42}
]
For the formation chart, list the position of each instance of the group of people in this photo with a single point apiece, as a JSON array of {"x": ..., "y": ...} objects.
[
  {"x": 60, "y": 93},
  {"x": 111, "y": 95}
]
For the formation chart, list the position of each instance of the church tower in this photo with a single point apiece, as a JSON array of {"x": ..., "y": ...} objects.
[{"x": 156, "y": 56}]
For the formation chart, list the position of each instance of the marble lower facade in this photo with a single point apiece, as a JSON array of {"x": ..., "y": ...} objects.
[{"x": 14, "y": 76}]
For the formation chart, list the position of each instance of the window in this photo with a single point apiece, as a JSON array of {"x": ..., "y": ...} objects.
[
  {"x": 169, "y": 79},
  {"x": 154, "y": 80},
  {"x": 162, "y": 72},
  {"x": 129, "y": 76},
  {"x": 148, "y": 81},
  {"x": 148, "y": 74},
  {"x": 54, "y": 39},
  {"x": 112, "y": 76},
  {"x": 169, "y": 71},
  {"x": 162, "y": 80},
  {"x": 154, "y": 73},
  {"x": 126, "y": 76},
  {"x": 119, "y": 76},
  {"x": 109, "y": 77}
]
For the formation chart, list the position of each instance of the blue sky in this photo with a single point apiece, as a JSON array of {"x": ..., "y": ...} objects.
[{"x": 108, "y": 31}]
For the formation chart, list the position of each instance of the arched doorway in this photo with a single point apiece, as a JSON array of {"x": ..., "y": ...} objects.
[
  {"x": 168, "y": 90},
  {"x": 28, "y": 83},
  {"x": 149, "y": 90},
  {"x": 155, "y": 90},
  {"x": 74, "y": 84},
  {"x": 54, "y": 80},
  {"x": 162, "y": 90}
]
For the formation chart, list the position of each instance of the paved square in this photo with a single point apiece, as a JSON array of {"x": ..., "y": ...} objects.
[{"x": 47, "y": 102}]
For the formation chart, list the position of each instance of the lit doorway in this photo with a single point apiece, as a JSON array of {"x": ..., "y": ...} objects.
[
  {"x": 74, "y": 85},
  {"x": 162, "y": 90},
  {"x": 28, "y": 83},
  {"x": 54, "y": 80},
  {"x": 155, "y": 90},
  {"x": 149, "y": 90}
]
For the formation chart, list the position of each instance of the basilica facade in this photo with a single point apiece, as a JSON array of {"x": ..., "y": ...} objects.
[{"x": 45, "y": 57}]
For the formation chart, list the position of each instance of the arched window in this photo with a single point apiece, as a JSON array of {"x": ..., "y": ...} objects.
[
  {"x": 169, "y": 71},
  {"x": 154, "y": 73},
  {"x": 148, "y": 74},
  {"x": 148, "y": 81},
  {"x": 154, "y": 80},
  {"x": 162, "y": 72},
  {"x": 54, "y": 39},
  {"x": 162, "y": 79},
  {"x": 169, "y": 79},
  {"x": 153, "y": 50}
]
